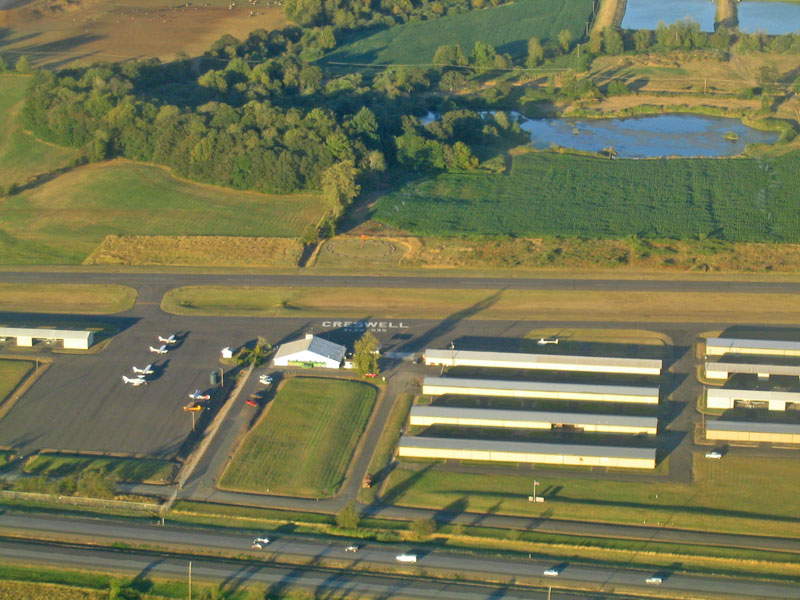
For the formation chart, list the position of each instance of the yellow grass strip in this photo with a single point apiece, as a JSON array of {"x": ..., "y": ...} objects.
[
  {"x": 80, "y": 298},
  {"x": 391, "y": 303}
]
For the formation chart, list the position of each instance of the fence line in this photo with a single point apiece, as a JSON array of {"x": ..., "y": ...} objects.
[{"x": 81, "y": 501}]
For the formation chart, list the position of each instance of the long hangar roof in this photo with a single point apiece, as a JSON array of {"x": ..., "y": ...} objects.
[
  {"x": 542, "y": 361},
  {"x": 745, "y": 426},
  {"x": 491, "y": 414},
  {"x": 547, "y": 386},
  {"x": 527, "y": 447},
  {"x": 753, "y": 344}
]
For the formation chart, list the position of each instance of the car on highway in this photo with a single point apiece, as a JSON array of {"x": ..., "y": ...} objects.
[
  {"x": 654, "y": 580},
  {"x": 406, "y": 558},
  {"x": 265, "y": 379},
  {"x": 351, "y": 548},
  {"x": 259, "y": 543},
  {"x": 713, "y": 454},
  {"x": 555, "y": 570}
]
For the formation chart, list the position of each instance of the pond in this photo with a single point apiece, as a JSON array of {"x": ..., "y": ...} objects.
[
  {"x": 648, "y": 136},
  {"x": 646, "y": 14},
  {"x": 775, "y": 18}
]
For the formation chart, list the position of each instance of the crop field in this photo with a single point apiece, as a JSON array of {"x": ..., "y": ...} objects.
[
  {"x": 551, "y": 194},
  {"x": 63, "y": 220},
  {"x": 508, "y": 28},
  {"x": 21, "y": 154},
  {"x": 731, "y": 490},
  {"x": 303, "y": 443},
  {"x": 11, "y": 373},
  {"x": 124, "y": 469}
]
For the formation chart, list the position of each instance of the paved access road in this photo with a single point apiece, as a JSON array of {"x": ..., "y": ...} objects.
[{"x": 370, "y": 553}]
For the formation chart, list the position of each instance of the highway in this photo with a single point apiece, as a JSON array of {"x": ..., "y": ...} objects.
[
  {"x": 199, "y": 540},
  {"x": 163, "y": 281}
]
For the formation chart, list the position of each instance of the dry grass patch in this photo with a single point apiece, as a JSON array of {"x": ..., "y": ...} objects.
[
  {"x": 223, "y": 251},
  {"x": 11, "y": 373},
  {"x": 24, "y": 590},
  {"x": 95, "y": 299},
  {"x": 357, "y": 303}
]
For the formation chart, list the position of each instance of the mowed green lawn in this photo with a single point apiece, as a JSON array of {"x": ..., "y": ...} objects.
[
  {"x": 736, "y": 494},
  {"x": 11, "y": 373},
  {"x": 21, "y": 154},
  {"x": 305, "y": 440},
  {"x": 124, "y": 469},
  {"x": 508, "y": 28},
  {"x": 63, "y": 220},
  {"x": 551, "y": 194}
]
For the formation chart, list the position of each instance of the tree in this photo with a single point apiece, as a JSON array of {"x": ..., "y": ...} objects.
[
  {"x": 565, "y": 40},
  {"x": 449, "y": 56},
  {"x": 365, "y": 356},
  {"x": 452, "y": 81},
  {"x": 423, "y": 528},
  {"x": 23, "y": 65},
  {"x": 612, "y": 41},
  {"x": 483, "y": 56},
  {"x": 3, "y": 65},
  {"x": 339, "y": 186},
  {"x": 348, "y": 517},
  {"x": 642, "y": 38},
  {"x": 254, "y": 356},
  {"x": 535, "y": 53}
]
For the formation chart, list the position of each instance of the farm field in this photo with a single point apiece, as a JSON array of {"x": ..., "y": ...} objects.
[
  {"x": 304, "y": 441},
  {"x": 55, "y": 33},
  {"x": 21, "y": 154},
  {"x": 508, "y": 28},
  {"x": 731, "y": 490},
  {"x": 123, "y": 469},
  {"x": 11, "y": 373},
  {"x": 358, "y": 303},
  {"x": 550, "y": 194},
  {"x": 63, "y": 220},
  {"x": 66, "y": 298}
]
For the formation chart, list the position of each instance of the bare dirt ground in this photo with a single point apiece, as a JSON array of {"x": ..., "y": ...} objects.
[{"x": 55, "y": 33}]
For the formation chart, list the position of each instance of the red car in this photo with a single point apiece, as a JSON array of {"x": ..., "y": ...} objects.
[
  {"x": 371, "y": 375},
  {"x": 251, "y": 402}
]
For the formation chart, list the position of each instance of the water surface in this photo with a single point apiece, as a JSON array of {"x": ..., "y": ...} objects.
[
  {"x": 775, "y": 18},
  {"x": 646, "y": 14}
]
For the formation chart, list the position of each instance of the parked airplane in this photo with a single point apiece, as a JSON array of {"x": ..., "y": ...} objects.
[
  {"x": 544, "y": 341},
  {"x": 195, "y": 395},
  {"x": 135, "y": 381},
  {"x": 161, "y": 350},
  {"x": 168, "y": 340},
  {"x": 148, "y": 370}
]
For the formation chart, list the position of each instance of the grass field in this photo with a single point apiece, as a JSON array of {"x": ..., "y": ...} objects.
[
  {"x": 732, "y": 491},
  {"x": 303, "y": 443},
  {"x": 124, "y": 469},
  {"x": 11, "y": 373},
  {"x": 21, "y": 154},
  {"x": 508, "y": 28},
  {"x": 550, "y": 194},
  {"x": 62, "y": 221},
  {"x": 81, "y": 298},
  {"x": 362, "y": 303}
]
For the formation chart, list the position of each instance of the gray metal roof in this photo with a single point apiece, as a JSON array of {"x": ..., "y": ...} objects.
[
  {"x": 732, "y": 367},
  {"x": 491, "y": 414},
  {"x": 758, "y": 395},
  {"x": 527, "y": 447},
  {"x": 314, "y": 344},
  {"x": 49, "y": 334},
  {"x": 745, "y": 426},
  {"x": 753, "y": 344},
  {"x": 543, "y": 386},
  {"x": 532, "y": 361}
]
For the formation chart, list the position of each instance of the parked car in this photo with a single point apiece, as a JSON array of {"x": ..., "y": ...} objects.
[
  {"x": 713, "y": 454},
  {"x": 371, "y": 375},
  {"x": 251, "y": 402},
  {"x": 351, "y": 548},
  {"x": 265, "y": 379},
  {"x": 259, "y": 543}
]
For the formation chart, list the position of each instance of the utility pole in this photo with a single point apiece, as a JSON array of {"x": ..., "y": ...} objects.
[
  {"x": 190, "y": 580},
  {"x": 549, "y": 589},
  {"x": 453, "y": 353}
]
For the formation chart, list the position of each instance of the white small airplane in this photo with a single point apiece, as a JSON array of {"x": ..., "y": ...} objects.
[
  {"x": 196, "y": 395},
  {"x": 161, "y": 350},
  {"x": 148, "y": 370},
  {"x": 545, "y": 341},
  {"x": 168, "y": 340},
  {"x": 135, "y": 381}
]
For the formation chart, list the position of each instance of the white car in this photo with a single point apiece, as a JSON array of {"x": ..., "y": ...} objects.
[
  {"x": 265, "y": 380},
  {"x": 653, "y": 580},
  {"x": 552, "y": 572},
  {"x": 259, "y": 543},
  {"x": 713, "y": 454},
  {"x": 351, "y": 548}
]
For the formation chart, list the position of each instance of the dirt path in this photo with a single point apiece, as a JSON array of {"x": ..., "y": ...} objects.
[{"x": 727, "y": 15}]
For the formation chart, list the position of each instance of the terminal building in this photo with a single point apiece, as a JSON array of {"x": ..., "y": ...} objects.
[
  {"x": 524, "y": 452},
  {"x": 311, "y": 351},
  {"x": 74, "y": 340},
  {"x": 526, "y": 419},
  {"x": 741, "y": 431},
  {"x": 723, "y": 370},
  {"x": 726, "y": 399},
  {"x": 437, "y": 386},
  {"x": 551, "y": 362},
  {"x": 722, "y": 346}
]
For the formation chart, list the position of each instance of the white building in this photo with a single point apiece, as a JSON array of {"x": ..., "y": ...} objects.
[
  {"x": 75, "y": 340},
  {"x": 311, "y": 351}
]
